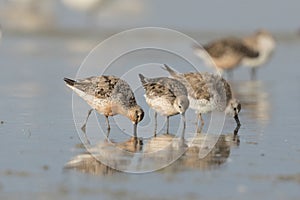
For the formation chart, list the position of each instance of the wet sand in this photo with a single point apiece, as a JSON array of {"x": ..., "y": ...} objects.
[{"x": 39, "y": 136}]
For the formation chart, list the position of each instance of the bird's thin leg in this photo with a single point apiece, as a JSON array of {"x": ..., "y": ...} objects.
[
  {"x": 83, "y": 128},
  {"x": 202, "y": 124},
  {"x": 202, "y": 121},
  {"x": 199, "y": 117},
  {"x": 155, "y": 123},
  {"x": 253, "y": 73},
  {"x": 168, "y": 124},
  {"x": 197, "y": 122},
  {"x": 107, "y": 134},
  {"x": 107, "y": 122}
]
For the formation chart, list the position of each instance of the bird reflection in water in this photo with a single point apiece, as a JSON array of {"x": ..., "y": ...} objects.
[
  {"x": 200, "y": 155},
  {"x": 203, "y": 152},
  {"x": 113, "y": 154}
]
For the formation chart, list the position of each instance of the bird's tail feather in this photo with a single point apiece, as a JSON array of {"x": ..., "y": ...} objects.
[
  {"x": 142, "y": 78},
  {"x": 170, "y": 70}
]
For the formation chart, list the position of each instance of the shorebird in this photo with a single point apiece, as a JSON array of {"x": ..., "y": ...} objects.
[
  {"x": 166, "y": 96},
  {"x": 109, "y": 96},
  {"x": 208, "y": 92},
  {"x": 263, "y": 42},
  {"x": 225, "y": 54}
]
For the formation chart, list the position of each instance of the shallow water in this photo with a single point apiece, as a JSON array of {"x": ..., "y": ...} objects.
[{"x": 38, "y": 135}]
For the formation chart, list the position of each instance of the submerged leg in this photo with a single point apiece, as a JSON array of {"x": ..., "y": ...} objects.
[
  {"x": 197, "y": 122},
  {"x": 253, "y": 73},
  {"x": 155, "y": 123},
  {"x": 83, "y": 128},
  {"x": 236, "y": 139},
  {"x": 202, "y": 121},
  {"x": 168, "y": 124}
]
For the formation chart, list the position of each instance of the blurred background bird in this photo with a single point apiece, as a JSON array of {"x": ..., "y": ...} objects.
[
  {"x": 262, "y": 42},
  {"x": 225, "y": 54}
]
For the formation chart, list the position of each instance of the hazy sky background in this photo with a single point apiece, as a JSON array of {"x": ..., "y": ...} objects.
[{"x": 191, "y": 14}]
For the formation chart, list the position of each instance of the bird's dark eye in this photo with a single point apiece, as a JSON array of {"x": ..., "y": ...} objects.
[
  {"x": 179, "y": 106},
  {"x": 234, "y": 109},
  {"x": 139, "y": 116}
]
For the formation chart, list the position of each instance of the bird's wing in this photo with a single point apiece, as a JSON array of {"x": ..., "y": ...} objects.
[
  {"x": 235, "y": 45},
  {"x": 197, "y": 87},
  {"x": 99, "y": 86},
  {"x": 154, "y": 90}
]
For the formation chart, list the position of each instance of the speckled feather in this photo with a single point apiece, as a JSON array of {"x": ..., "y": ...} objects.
[
  {"x": 174, "y": 85},
  {"x": 163, "y": 94},
  {"x": 109, "y": 96},
  {"x": 207, "y": 93},
  {"x": 205, "y": 87},
  {"x": 107, "y": 87},
  {"x": 154, "y": 90}
]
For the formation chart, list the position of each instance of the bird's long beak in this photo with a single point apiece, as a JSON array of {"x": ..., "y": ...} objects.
[
  {"x": 236, "y": 117},
  {"x": 135, "y": 130},
  {"x": 184, "y": 120},
  {"x": 184, "y": 125}
]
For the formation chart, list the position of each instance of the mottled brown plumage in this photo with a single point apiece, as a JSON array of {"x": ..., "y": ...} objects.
[
  {"x": 232, "y": 45},
  {"x": 107, "y": 87},
  {"x": 166, "y": 96},
  {"x": 108, "y": 95},
  {"x": 208, "y": 92},
  {"x": 198, "y": 88},
  {"x": 154, "y": 90},
  {"x": 200, "y": 85},
  {"x": 226, "y": 53}
]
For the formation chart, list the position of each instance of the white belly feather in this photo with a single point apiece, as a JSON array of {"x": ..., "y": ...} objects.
[{"x": 161, "y": 105}]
